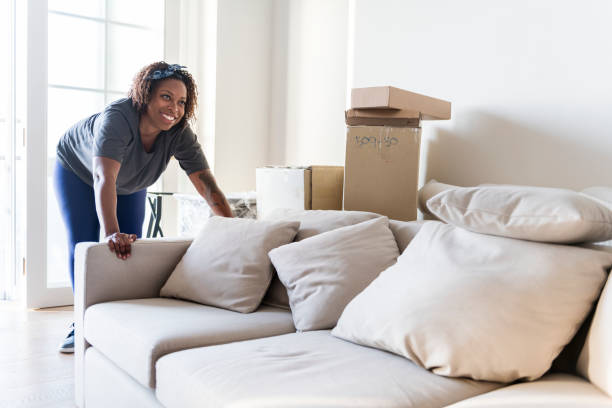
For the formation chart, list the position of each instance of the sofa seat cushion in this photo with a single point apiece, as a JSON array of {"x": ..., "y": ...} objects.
[
  {"x": 307, "y": 369},
  {"x": 551, "y": 391},
  {"x": 134, "y": 334},
  {"x": 106, "y": 385}
]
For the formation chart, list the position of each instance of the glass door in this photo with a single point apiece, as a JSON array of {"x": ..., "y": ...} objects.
[
  {"x": 12, "y": 176},
  {"x": 82, "y": 55},
  {"x": 6, "y": 152}
]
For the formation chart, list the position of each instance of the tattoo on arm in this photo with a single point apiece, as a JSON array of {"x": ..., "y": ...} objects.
[
  {"x": 211, "y": 190},
  {"x": 214, "y": 196}
]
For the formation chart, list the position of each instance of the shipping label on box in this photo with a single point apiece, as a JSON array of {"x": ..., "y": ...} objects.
[
  {"x": 301, "y": 188},
  {"x": 382, "y": 170}
]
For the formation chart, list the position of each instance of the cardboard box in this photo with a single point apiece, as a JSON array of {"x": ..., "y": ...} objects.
[
  {"x": 382, "y": 170},
  {"x": 327, "y": 187},
  {"x": 302, "y": 188},
  {"x": 382, "y": 117},
  {"x": 388, "y": 97}
]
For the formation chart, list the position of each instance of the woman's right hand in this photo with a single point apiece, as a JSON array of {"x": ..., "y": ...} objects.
[{"x": 120, "y": 244}]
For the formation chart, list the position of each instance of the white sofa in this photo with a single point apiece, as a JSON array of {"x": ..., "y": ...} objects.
[{"x": 135, "y": 349}]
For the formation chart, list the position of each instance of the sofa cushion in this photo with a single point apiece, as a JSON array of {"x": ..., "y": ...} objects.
[
  {"x": 600, "y": 193},
  {"x": 595, "y": 359},
  {"x": 312, "y": 222},
  {"x": 404, "y": 231},
  {"x": 227, "y": 264},
  {"x": 551, "y": 391},
  {"x": 323, "y": 273},
  {"x": 533, "y": 213},
  {"x": 135, "y": 333},
  {"x": 309, "y": 369},
  {"x": 430, "y": 189},
  {"x": 107, "y": 385},
  {"x": 315, "y": 222},
  {"x": 479, "y": 306}
]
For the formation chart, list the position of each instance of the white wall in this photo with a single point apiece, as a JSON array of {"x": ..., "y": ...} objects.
[
  {"x": 308, "y": 82},
  {"x": 184, "y": 37},
  {"x": 244, "y": 29},
  {"x": 227, "y": 46},
  {"x": 272, "y": 79},
  {"x": 529, "y": 82}
]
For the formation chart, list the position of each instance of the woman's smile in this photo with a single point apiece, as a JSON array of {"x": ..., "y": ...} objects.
[
  {"x": 169, "y": 118},
  {"x": 166, "y": 107}
]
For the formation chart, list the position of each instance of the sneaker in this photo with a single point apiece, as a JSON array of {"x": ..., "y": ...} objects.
[{"x": 67, "y": 346}]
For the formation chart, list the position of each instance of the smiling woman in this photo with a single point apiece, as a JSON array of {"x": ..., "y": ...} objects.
[{"x": 106, "y": 161}]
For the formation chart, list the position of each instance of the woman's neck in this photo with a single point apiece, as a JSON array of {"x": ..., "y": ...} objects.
[{"x": 147, "y": 130}]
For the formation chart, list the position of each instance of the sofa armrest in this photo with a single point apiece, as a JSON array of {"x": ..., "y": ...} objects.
[{"x": 102, "y": 277}]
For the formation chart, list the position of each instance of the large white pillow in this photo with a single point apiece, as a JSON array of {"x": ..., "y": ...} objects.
[
  {"x": 312, "y": 222},
  {"x": 323, "y": 273},
  {"x": 227, "y": 264},
  {"x": 533, "y": 213},
  {"x": 471, "y": 305},
  {"x": 600, "y": 193},
  {"x": 595, "y": 359}
]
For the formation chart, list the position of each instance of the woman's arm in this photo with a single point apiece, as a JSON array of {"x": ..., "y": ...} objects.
[
  {"x": 205, "y": 183},
  {"x": 105, "y": 173}
]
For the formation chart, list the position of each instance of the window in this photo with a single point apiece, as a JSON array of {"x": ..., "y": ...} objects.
[
  {"x": 95, "y": 47},
  {"x": 12, "y": 174}
]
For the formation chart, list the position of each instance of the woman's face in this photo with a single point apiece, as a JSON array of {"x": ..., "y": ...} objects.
[{"x": 167, "y": 105}]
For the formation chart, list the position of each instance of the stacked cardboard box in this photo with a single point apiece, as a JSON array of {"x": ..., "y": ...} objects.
[
  {"x": 382, "y": 149},
  {"x": 302, "y": 188}
]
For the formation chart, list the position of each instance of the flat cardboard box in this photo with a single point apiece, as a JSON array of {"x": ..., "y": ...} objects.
[
  {"x": 389, "y": 97},
  {"x": 382, "y": 170},
  {"x": 382, "y": 117},
  {"x": 302, "y": 188}
]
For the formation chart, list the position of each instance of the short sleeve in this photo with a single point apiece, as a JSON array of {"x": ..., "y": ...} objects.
[
  {"x": 112, "y": 135},
  {"x": 188, "y": 152}
]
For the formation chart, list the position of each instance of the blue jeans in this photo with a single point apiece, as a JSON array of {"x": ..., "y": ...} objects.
[{"x": 78, "y": 207}]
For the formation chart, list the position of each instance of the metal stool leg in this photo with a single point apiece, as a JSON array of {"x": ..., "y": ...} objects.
[
  {"x": 151, "y": 217},
  {"x": 158, "y": 213}
]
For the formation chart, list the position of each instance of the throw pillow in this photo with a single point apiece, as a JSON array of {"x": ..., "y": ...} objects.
[
  {"x": 323, "y": 273},
  {"x": 595, "y": 358},
  {"x": 533, "y": 213},
  {"x": 471, "y": 305},
  {"x": 227, "y": 264},
  {"x": 312, "y": 222},
  {"x": 604, "y": 194},
  {"x": 404, "y": 232}
]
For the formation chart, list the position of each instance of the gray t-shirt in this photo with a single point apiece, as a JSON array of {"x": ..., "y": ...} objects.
[{"x": 114, "y": 133}]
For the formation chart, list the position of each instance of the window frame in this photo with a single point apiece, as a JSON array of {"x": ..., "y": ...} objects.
[{"x": 38, "y": 292}]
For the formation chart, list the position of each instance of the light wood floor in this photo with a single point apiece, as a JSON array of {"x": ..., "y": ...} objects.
[{"x": 32, "y": 372}]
